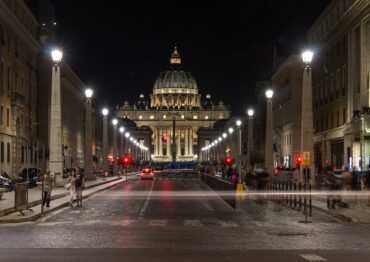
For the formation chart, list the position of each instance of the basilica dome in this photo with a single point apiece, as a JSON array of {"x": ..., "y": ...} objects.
[{"x": 175, "y": 80}]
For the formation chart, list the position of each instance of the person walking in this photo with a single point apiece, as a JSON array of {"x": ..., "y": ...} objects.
[
  {"x": 71, "y": 186},
  {"x": 347, "y": 185},
  {"x": 79, "y": 186},
  {"x": 48, "y": 187},
  {"x": 331, "y": 185}
]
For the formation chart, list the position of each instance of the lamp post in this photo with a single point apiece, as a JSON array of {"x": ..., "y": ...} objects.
[
  {"x": 269, "y": 161},
  {"x": 250, "y": 113},
  {"x": 55, "y": 123},
  {"x": 88, "y": 136},
  {"x": 127, "y": 136},
  {"x": 122, "y": 131},
  {"x": 239, "y": 142},
  {"x": 307, "y": 117},
  {"x": 115, "y": 148},
  {"x": 105, "y": 113}
]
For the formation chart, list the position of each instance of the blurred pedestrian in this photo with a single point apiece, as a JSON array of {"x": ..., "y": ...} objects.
[
  {"x": 234, "y": 178},
  {"x": 71, "y": 186},
  {"x": 331, "y": 185},
  {"x": 347, "y": 185},
  {"x": 48, "y": 187},
  {"x": 367, "y": 185},
  {"x": 79, "y": 185}
]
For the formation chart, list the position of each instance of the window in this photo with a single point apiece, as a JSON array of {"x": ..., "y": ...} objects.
[
  {"x": 195, "y": 116},
  {"x": 164, "y": 116},
  {"x": 2, "y": 152},
  {"x": 332, "y": 121},
  {"x": 8, "y": 152},
  {"x": 151, "y": 117},
  {"x": 1, "y": 75},
  {"x": 338, "y": 120},
  {"x": 344, "y": 116},
  {"x": 140, "y": 117},
  {"x": 22, "y": 153},
  {"x": 182, "y": 117},
  {"x": 344, "y": 81},
  {"x": 206, "y": 117},
  {"x": 221, "y": 115},
  {"x": 7, "y": 117},
  {"x": 338, "y": 84},
  {"x": 1, "y": 115}
]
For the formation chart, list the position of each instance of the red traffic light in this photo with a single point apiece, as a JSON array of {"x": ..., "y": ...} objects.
[
  {"x": 298, "y": 160},
  {"x": 164, "y": 138},
  {"x": 229, "y": 160},
  {"x": 126, "y": 160}
]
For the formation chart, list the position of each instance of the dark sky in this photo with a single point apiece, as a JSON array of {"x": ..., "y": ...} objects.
[{"x": 119, "y": 47}]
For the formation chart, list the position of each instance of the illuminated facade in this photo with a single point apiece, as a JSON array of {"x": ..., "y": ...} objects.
[{"x": 175, "y": 101}]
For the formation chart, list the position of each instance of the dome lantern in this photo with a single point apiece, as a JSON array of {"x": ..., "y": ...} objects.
[{"x": 175, "y": 57}]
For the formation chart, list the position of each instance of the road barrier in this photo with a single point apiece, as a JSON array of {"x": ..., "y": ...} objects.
[
  {"x": 220, "y": 185},
  {"x": 293, "y": 195}
]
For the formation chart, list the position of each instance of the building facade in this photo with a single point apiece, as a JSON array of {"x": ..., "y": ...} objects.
[
  {"x": 174, "y": 113},
  {"x": 341, "y": 84},
  {"x": 287, "y": 110},
  {"x": 19, "y": 49}
]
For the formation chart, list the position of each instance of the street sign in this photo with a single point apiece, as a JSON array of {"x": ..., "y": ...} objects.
[{"x": 306, "y": 159}]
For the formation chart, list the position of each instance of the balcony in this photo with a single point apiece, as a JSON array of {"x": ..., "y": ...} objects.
[{"x": 18, "y": 99}]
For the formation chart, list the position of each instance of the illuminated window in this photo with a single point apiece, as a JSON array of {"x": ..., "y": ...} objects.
[
  {"x": 164, "y": 116},
  {"x": 221, "y": 115},
  {"x": 182, "y": 116},
  {"x": 140, "y": 117},
  {"x": 206, "y": 117},
  {"x": 151, "y": 117},
  {"x": 195, "y": 116}
]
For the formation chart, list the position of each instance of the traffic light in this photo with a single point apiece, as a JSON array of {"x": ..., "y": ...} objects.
[
  {"x": 126, "y": 160},
  {"x": 298, "y": 160},
  {"x": 229, "y": 160}
]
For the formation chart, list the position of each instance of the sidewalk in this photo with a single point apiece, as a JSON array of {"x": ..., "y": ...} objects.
[
  {"x": 357, "y": 212},
  {"x": 60, "y": 198}
]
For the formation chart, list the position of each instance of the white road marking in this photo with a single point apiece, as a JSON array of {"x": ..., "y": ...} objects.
[
  {"x": 193, "y": 223},
  {"x": 312, "y": 257},
  {"x": 54, "y": 214},
  {"x": 143, "y": 209},
  {"x": 125, "y": 222}
]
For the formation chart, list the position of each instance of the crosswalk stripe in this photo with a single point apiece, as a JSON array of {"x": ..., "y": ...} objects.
[
  {"x": 228, "y": 224},
  {"x": 312, "y": 257},
  {"x": 193, "y": 223}
]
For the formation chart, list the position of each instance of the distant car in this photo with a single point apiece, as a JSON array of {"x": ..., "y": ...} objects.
[
  {"x": 146, "y": 173},
  {"x": 6, "y": 182}
]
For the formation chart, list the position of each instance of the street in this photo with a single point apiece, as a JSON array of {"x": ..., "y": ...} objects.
[{"x": 140, "y": 220}]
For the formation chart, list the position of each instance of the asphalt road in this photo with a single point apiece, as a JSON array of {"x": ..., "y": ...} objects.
[{"x": 180, "y": 220}]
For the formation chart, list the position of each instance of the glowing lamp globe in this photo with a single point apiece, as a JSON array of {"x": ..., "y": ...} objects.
[
  {"x": 269, "y": 93},
  {"x": 56, "y": 55},
  {"x": 105, "y": 111},
  {"x": 122, "y": 129},
  {"x": 89, "y": 93},
  {"x": 238, "y": 123},
  {"x": 307, "y": 57},
  {"x": 114, "y": 122},
  {"x": 250, "y": 112}
]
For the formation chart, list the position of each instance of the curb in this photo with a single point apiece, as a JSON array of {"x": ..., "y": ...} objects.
[
  {"x": 8, "y": 211},
  {"x": 38, "y": 215}
]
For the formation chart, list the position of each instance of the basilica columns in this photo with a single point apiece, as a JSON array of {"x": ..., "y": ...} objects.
[
  {"x": 168, "y": 151},
  {"x": 186, "y": 141}
]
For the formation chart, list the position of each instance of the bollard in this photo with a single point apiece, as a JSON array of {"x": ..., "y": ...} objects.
[
  {"x": 310, "y": 204},
  {"x": 305, "y": 199},
  {"x": 295, "y": 196},
  {"x": 299, "y": 197},
  {"x": 290, "y": 196}
]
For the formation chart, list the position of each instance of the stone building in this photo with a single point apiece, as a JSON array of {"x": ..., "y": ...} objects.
[
  {"x": 287, "y": 110},
  {"x": 341, "y": 70},
  {"x": 19, "y": 49},
  {"x": 174, "y": 113}
]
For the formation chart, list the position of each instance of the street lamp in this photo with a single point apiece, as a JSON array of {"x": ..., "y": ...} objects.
[
  {"x": 269, "y": 161},
  {"x": 105, "y": 113},
  {"x": 307, "y": 147},
  {"x": 250, "y": 113},
  {"x": 239, "y": 142},
  {"x": 88, "y": 135},
  {"x": 122, "y": 131},
  {"x": 55, "y": 123},
  {"x": 115, "y": 148}
]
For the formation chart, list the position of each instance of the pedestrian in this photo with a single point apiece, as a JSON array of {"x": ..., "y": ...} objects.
[
  {"x": 331, "y": 185},
  {"x": 71, "y": 186},
  {"x": 48, "y": 187},
  {"x": 367, "y": 184},
  {"x": 79, "y": 185},
  {"x": 347, "y": 184},
  {"x": 234, "y": 178}
]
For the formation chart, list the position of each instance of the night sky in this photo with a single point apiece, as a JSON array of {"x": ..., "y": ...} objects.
[{"x": 119, "y": 47}]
